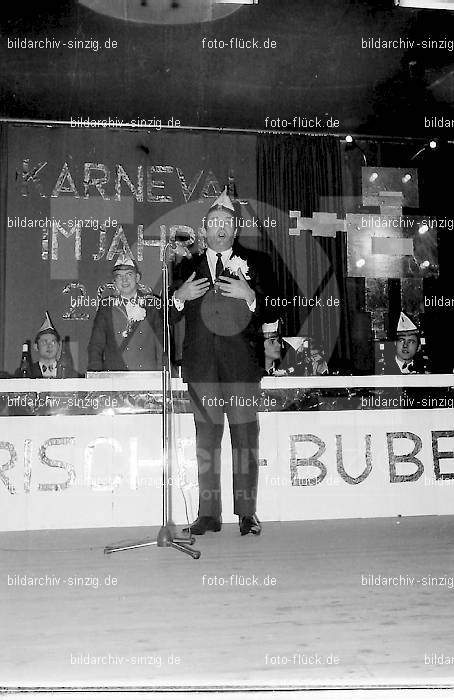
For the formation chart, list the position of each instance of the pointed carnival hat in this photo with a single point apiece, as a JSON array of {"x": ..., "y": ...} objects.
[
  {"x": 295, "y": 341},
  {"x": 125, "y": 262},
  {"x": 406, "y": 325},
  {"x": 47, "y": 327},
  {"x": 223, "y": 201},
  {"x": 271, "y": 330}
]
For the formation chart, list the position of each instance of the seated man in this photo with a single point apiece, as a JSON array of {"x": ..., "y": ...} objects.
[
  {"x": 127, "y": 330},
  {"x": 405, "y": 357},
  {"x": 51, "y": 363},
  {"x": 319, "y": 366}
]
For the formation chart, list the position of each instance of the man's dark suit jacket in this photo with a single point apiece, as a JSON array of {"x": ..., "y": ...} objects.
[
  {"x": 391, "y": 366},
  {"x": 222, "y": 327},
  {"x": 69, "y": 372},
  {"x": 104, "y": 352}
]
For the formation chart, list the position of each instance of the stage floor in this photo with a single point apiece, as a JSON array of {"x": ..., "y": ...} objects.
[{"x": 295, "y": 607}]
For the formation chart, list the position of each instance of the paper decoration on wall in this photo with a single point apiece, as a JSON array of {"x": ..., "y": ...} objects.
[
  {"x": 96, "y": 182},
  {"x": 29, "y": 176},
  {"x": 122, "y": 175},
  {"x": 188, "y": 190},
  {"x": 119, "y": 244},
  {"x": 109, "y": 286},
  {"x": 56, "y": 230},
  {"x": 210, "y": 188},
  {"x": 60, "y": 187},
  {"x": 321, "y": 224},
  {"x": 74, "y": 314},
  {"x": 388, "y": 245},
  {"x": 44, "y": 243},
  {"x": 102, "y": 245}
]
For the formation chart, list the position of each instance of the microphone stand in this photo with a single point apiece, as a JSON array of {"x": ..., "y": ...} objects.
[{"x": 167, "y": 533}]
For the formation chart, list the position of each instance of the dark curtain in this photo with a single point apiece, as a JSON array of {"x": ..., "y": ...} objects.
[
  {"x": 3, "y": 223},
  {"x": 304, "y": 173}
]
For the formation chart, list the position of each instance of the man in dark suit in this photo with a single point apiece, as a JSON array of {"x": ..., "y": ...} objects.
[
  {"x": 225, "y": 296},
  {"x": 50, "y": 364},
  {"x": 127, "y": 330},
  {"x": 404, "y": 356}
]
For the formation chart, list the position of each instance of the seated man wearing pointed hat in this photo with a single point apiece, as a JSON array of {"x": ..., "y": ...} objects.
[
  {"x": 222, "y": 294},
  {"x": 405, "y": 358},
  {"x": 50, "y": 363},
  {"x": 127, "y": 330}
]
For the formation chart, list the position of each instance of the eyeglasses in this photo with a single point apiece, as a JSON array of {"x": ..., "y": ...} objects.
[{"x": 118, "y": 276}]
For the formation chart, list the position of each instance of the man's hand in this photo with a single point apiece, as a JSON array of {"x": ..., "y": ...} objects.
[
  {"x": 191, "y": 289},
  {"x": 236, "y": 288}
]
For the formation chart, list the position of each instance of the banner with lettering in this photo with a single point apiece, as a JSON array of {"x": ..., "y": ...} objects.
[
  {"x": 103, "y": 470},
  {"x": 76, "y": 197}
]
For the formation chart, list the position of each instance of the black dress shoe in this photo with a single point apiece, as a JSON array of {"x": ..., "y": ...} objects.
[
  {"x": 204, "y": 523},
  {"x": 250, "y": 523}
]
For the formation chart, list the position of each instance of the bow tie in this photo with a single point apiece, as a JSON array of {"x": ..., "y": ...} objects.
[{"x": 50, "y": 368}]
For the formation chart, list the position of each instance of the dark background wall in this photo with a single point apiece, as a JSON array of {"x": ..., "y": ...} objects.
[{"x": 318, "y": 69}]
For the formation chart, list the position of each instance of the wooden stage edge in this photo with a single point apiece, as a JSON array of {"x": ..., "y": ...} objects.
[{"x": 310, "y": 604}]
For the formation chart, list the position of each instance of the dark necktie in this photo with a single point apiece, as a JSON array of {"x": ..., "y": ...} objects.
[
  {"x": 219, "y": 266},
  {"x": 48, "y": 369}
]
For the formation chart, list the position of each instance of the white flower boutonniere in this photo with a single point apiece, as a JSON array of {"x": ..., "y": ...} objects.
[
  {"x": 135, "y": 312},
  {"x": 236, "y": 263}
]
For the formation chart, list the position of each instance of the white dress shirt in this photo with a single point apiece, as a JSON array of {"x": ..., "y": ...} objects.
[
  {"x": 407, "y": 369},
  {"x": 51, "y": 369}
]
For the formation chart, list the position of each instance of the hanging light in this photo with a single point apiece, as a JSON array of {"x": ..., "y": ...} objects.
[
  {"x": 354, "y": 144},
  {"x": 165, "y": 11},
  {"x": 431, "y": 144}
]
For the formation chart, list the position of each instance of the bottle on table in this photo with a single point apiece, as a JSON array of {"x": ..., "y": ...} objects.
[
  {"x": 66, "y": 360},
  {"x": 425, "y": 362},
  {"x": 25, "y": 369},
  {"x": 381, "y": 358}
]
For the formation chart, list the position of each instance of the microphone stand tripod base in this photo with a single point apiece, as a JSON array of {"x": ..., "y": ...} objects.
[{"x": 166, "y": 538}]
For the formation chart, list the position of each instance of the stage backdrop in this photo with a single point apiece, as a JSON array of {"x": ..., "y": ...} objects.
[{"x": 135, "y": 182}]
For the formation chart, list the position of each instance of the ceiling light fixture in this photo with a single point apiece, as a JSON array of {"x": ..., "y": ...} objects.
[
  {"x": 427, "y": 4},
  {"x": 352, "y": 143},
  {"x": 431, "y": 144},
  {"x": 165, "y": 11}
]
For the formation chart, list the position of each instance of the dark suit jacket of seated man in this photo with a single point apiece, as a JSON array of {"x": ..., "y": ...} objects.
[{"x": 221, "y": 363}]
